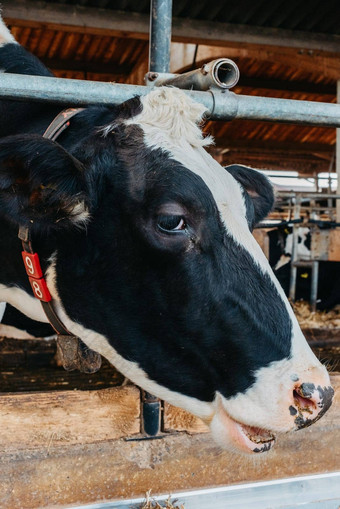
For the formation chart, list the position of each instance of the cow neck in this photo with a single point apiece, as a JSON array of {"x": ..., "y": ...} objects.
[{"x": 74, "y": 354}]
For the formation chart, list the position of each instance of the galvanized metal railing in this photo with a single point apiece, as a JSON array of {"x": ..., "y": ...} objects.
[{"x": 220, "y": 104}]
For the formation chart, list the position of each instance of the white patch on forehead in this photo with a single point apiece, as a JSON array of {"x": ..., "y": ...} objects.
[{"x": 169, "y": 113}]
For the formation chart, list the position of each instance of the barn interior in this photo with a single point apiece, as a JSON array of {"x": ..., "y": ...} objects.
[{"x": 288, "y": 50}]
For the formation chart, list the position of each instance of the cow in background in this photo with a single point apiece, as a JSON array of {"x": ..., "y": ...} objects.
[{"x": 280, "y": 252}]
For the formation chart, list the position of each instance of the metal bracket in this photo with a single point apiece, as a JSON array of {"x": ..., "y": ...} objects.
[
  {"x": 221, "y": 73},
  {"x": 151, "y": 414}
]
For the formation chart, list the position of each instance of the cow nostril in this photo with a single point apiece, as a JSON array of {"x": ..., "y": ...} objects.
[
  {"x": 310, "y": 403},
  {"x": 302, "y": 403}
]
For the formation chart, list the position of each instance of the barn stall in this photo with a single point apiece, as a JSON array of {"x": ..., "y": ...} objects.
[{"x": 67, "y": 438}]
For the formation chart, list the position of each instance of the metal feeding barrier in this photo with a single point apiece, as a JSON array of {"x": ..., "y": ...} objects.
[
  {"x": 308, "y": 492},
  {"x": 220, "y": 102}
]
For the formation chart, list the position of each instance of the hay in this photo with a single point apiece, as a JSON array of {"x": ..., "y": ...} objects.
[
  {"x": 150, "y": 503},
  {"x": 316, "y": 319}
]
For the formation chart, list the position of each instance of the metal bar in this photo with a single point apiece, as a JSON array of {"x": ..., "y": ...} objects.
[
  {"x": 307, "y": 195},
  {"x": 151, "y": 413},
  {"x": 280, "y": 110},
  {"x": 160, "y": 35},
  {"x": 312, "y": 492},
  {"x": 304, "y": 264},
  {"x": 220, "y": 73},
  {"x": 223, "y": 105},
  {"x": 307, "y": 207},
  {"x": 294, "y": 258},
  {"x": 159, "y": 61},
  {"x": 314, "y": 285}
]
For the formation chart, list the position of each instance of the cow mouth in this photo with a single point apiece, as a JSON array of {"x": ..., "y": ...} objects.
[
  {"x": 243, "y": 437},
  {"x": 256, "y": 439}
]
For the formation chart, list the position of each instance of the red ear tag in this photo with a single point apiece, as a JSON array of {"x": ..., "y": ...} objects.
[
  {"x": 40, "y": 289},
  {"x": 32, "y": 264}
]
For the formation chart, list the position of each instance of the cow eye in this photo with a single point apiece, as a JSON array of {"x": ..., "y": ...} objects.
[{"x": 171, "y": 223}]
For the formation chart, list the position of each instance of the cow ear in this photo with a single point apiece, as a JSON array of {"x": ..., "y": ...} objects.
[
  {"x": 41, "y": 184},
  {"x": 257, "y": 187}
]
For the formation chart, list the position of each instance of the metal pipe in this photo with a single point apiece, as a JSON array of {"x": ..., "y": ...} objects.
[
  {"x": 160, "y": 35},
  {"x": 294, "y": 257},
  {"x": 307, "y": 195},
  {"x": 305, "y": 208},
  {"x": 221, "y": 73},
  {"x": 151, "y": 414},
  {"x": 159, "y": 61},
  {"x": 222, "y": 105},
  {"x": 314, "y": 285}
]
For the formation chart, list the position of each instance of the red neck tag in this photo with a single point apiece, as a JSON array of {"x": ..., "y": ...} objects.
[
  {"x": 32, "y": 264},
  {"x": 35, "y": 276}
]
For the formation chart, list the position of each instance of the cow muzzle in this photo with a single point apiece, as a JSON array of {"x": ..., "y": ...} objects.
[
  {"x": 310, "y": 403},
  {"x": 249, "y": 424}
]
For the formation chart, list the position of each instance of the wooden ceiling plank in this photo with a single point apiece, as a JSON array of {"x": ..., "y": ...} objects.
[
  {"x": 273, "y": 145},
  {"x": 109, "y": 22}
]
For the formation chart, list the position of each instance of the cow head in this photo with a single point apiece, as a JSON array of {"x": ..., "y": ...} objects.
[{"x": 165, "y": 279}]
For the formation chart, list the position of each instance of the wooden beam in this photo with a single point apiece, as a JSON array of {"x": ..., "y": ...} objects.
[
  {"x": 185, "y": 56},
  {"x": 304, "y": 87},
  {"x": 44, "y": 419},
  {"x": 306, "y": 158},
  {"x": 126, "y": 24},
  {"x": 82, "y": 467},
  {"x": 271, "y": 145},
  {"x": 277, "y": 161}
]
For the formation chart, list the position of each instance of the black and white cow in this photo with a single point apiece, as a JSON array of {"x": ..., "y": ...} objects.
[
  {"x": 146, "y": 244},
  {"x": 280, "y": 253}
]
